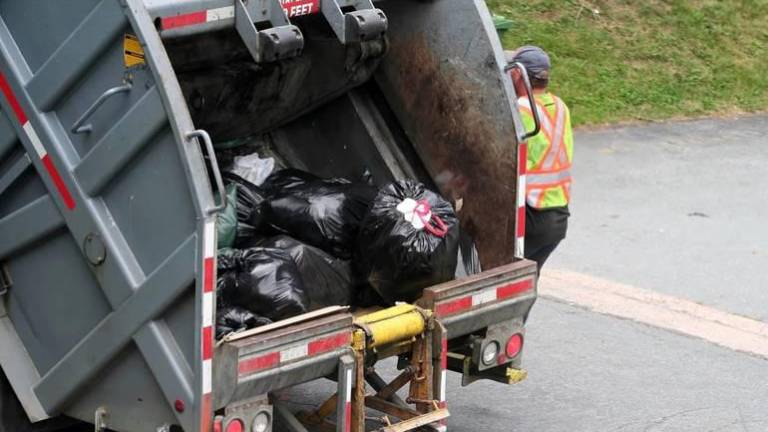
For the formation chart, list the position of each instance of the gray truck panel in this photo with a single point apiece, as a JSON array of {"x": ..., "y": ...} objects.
[
  {"x": 57, "y": 315},
  {"x": 8, "y": 138},
  {"x": 39, "y": 26},
  {"x": 93, "y": 317},
  {"x": 118, "y": 271}
]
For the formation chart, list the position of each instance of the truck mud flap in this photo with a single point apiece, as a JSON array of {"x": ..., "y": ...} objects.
[{"x": 280, "y": 355}]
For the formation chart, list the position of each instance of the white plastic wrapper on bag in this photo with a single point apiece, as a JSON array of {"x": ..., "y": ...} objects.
[{"x": 253, "y": 168}]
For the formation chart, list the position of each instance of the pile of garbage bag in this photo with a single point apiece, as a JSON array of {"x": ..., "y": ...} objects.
[
  {"x": 302, "y": 243},
  {"x": 322, "y": 213}
]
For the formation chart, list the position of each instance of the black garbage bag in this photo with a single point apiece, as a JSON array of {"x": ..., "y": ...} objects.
[
  {"x": 327, "y": 280},
  {"x": 263, "y": 280},
  {"x": 322, "y": 213},
  {"x": 230, "y": 319},
  {"x": 286, "y": 179},
  {"x": 228, "y": 259},
  {"x": 408, "y": 241},
  {"x": 249, "y": 202}
]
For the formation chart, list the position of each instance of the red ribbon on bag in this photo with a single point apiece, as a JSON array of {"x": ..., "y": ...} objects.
[{"x": 424, "y": 211}]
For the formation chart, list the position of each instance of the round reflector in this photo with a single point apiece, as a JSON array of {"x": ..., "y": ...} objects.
[
  {"x": 261, "y": 422},
  {"x": 235, "y": 425},
  {"x": 490, "y": 352},
  {"x": 514, "y": 345}
]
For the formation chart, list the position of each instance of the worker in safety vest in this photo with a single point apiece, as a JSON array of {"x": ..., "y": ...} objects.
[{"x": 550, "y": 153}]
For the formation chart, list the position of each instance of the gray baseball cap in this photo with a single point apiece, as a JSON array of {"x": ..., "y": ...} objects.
[{"x": 535, "y": 60}]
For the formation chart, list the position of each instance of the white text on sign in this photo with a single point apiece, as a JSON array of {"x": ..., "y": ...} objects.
[{"x": 300, "y": 7}]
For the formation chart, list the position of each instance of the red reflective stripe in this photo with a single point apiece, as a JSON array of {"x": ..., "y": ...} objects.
[
  {"x": 329, "y": 343},
  {"x": 206, "y": 413},
  {"x": 444, "y": 354},
  {"x": 207, "y": 343},
  {"x": 58, "y": 182},
  {"x": 521, "y": 222},
  {"x": 257, "y": 363},
  {"x": 453, "y": 306},
  {"x": 12, "y": 101},
  {"x": 514, "y": 288},
  {"x": 348, "y": 416},
  {"x": 208, "y": 275},
  {"x": 522, "y": 158},
  {"x": 69, "y": 202},
  {"x": 183, "y": 20}
]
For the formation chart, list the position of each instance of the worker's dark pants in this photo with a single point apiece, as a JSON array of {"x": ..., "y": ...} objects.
[
  {"x": 539, "y": 253},
  {"x": 544, "y": 230}
]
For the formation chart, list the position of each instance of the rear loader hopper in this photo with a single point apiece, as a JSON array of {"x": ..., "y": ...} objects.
[{"x": 117, "y": 116}]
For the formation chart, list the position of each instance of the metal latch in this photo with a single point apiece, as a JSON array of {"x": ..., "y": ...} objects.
[
  {"x": 363, "y": 24},
  {"x": 280, "y": 41}
]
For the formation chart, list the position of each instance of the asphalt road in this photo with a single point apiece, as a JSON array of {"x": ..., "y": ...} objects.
[{"x": 678, "y": 208}]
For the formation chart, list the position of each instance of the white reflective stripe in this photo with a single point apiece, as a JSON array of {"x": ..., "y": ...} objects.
[
  {"x": 535, "y": 179},
  {"x": 486, "y": 296},
  {"x": 209, "y": 239},
  {"x": 443, "y": 384},
  {"x": 207, "y": 372},
  {"x": 520, "y": 247},
  {"x": 523, "y": 181},
  {"x": 349, "y": 385},
  {"x": 557, "y": 140},
  {"x": 559, "y": 134},
  {"x": 36, "y": 143},
  {"x": 221, "y": 13},
  {"x": 208, "y": 309},
  {"x": 294, "y": 353}
]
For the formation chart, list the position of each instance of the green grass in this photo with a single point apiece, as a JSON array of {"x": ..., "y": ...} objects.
[{"x": 624, "y": 60}]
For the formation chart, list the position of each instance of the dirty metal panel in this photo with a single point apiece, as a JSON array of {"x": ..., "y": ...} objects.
[
  {"x": 443, "y": 78},
  {"x": 469, "y": 304},
  {"x": 232, "y": 97},
  {"x": 301, "y": 352}
]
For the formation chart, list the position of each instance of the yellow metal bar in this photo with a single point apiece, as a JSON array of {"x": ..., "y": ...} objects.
[{"x": 391, "y": 325}]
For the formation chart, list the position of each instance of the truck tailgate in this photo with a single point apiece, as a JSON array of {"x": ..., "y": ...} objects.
[
  {"x": 279, "y": 355},
  {"x": 469, "y": 304}
]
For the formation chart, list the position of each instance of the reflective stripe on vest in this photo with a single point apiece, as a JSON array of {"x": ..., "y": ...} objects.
[{"x": 551, "y": 172}]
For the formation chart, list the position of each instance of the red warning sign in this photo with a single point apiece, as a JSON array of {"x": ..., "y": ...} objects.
[{"x": 296, "y": 8}]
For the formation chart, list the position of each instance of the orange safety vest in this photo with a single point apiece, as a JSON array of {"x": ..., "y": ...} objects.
[{"x": 550, "y": 154}]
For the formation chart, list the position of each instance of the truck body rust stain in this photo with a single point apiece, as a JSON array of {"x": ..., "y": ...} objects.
[{"x": 466, "y": 147}]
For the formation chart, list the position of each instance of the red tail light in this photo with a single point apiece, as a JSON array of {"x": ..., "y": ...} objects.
[
  {"x": 514, "y": 345},
  {"x": 235, "y": 425}
]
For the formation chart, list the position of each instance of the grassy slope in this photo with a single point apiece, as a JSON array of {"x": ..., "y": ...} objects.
[{"x": 618, "y": 60}]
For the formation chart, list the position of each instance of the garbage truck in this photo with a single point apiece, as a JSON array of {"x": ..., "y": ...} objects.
[{"x": 114, "y": 117}]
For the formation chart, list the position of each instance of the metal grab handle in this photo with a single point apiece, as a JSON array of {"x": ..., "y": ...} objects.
[
  {"x": 529, "y": 91},
  {"x": 214, "y": 166},
  {"x": 78, "y": 126}
]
